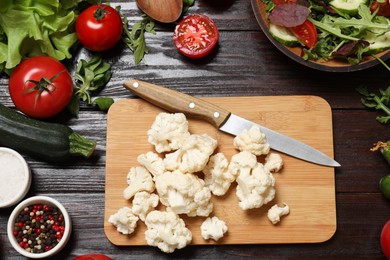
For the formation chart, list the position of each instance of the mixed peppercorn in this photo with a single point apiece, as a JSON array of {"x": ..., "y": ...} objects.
[{"x": 38, "y": 228}]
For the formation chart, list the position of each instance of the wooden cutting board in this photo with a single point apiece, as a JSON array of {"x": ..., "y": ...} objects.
[{"x": 307, "y": 188}]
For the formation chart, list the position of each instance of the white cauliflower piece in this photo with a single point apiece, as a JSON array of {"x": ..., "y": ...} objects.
[
  {"x": 167, "y": 231},
  {"x": 217, "y": 175},
  {"x": 256, "y": 184},
  {"x": 139, "y": 179},
  {"x": 193, "y": 155},
  {"x": 275, "y": 212},
  {"x": 143, "y": 203},
  {"x": 168, "y": 131},
  {"x": 273, "y": 162},
  {"x": 124, "y": 220},
  {"x": 253, "y": 141},
  {"x": 242, "y": 163},
  {"x": 184, "y": 194},
  {"x": 213, "y": 228},
  {"x": 152, "y": 162}
]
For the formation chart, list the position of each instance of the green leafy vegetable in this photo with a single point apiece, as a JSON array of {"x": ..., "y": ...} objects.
[
  {"x": 31, "y": 28},
  {"x": 103, "y": 103},
  {"x": 187, "y": 4},
  {"x": 379, "y": 102},
  {"x": 373, "y": 101},
  {"x": 336, "y": 31},
  {"x": 134, "y": 38},
  {"x": 90, "y": 77}
]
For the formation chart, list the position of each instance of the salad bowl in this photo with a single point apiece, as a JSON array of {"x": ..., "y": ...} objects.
[{"x": 333, "y": 65}]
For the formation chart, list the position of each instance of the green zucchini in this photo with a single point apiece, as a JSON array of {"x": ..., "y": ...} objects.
[{"x": 50, "y": 142}]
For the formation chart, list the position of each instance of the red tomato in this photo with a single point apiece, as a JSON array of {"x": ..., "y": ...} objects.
[
  {"x": 92, "y": 257},
  {"x": 384, "y": 8},
  {"x": 385, "y": 239},
  {"x": 196, "y": 36},
  {"x": 40, "y": 87},
  {"x": 306, "y": 33},
  {"x": 99, "y": 27}
]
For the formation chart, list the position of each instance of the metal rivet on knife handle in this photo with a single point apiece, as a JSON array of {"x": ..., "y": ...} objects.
[
  {"x": 174, "y": 101},
  {"x": 136, "y": 84}
]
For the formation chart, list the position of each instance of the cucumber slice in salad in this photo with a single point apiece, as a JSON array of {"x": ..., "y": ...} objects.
[
  {"x": 283, "y": 35},
  {"x": 378, "y": 43},
  {"x": 347, "y": 6}
]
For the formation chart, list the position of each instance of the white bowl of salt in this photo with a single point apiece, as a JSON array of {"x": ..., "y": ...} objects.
[{"x": 15, "y": 177}]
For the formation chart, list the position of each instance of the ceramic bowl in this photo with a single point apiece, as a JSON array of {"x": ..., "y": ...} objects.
[
  {"x": 259, "y": 8},
  {"x": 15, "y": 177},
  {"x": 42, "y": 200}
]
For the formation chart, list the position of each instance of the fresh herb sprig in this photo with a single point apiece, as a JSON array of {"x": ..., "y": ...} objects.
[
  {"x": 134, "y": 38},
  {"x": 373, "y": 101},
  {"x": 379, "y": 102},
  {"x": 187, "y": 4},
  {"x": 90, "y": 76}
]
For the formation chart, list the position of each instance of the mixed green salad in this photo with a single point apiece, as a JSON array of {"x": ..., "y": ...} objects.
[{"x": 331, "y": 29}]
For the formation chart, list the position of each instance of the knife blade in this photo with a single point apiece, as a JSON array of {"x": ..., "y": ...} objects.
[{"x": 175, "y": 101}]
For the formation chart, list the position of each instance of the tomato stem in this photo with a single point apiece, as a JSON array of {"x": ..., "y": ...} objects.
[
  {"x": 41, "y": 85},
  {"x": 100, "y": 12}
]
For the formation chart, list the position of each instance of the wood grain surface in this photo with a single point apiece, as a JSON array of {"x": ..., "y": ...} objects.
[{"x": 307, "y": 188}]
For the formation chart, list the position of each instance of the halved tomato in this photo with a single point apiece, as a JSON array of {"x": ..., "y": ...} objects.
[
  {"x": 196, "y": 36},
  {"x": 384, "y": 8},
  {"x": 306, "y": 33}
]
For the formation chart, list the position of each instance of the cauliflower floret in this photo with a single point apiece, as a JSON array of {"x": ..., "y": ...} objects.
[
  {"x": 273, "y": 162},
  {"x": 167, "y": 231},
  {"x": 152, "y": 162},
  {"x": 217, "y": 175},
  {"x": 253, "y": 141},
  {"x": 168, "y": 131},
  {"x": 256, "y": 184},
  {"x": 139, "y": 179},
  {"x": 242, "y": 163},
  {"x": 213, "y": 228},
  {"x": 124, "y": 220},
  {"x": 275, "y": 212},
  {"x": 193, "y": 155},
  {"x": 184, "y": 194},
  {"x": 143, "y": 203}
]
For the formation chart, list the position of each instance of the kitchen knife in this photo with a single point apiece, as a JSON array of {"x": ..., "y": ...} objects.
[{"x": 225, "y": 121}]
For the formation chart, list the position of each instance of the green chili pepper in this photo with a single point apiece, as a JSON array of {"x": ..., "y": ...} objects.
[{"x": 384, "y": 183}]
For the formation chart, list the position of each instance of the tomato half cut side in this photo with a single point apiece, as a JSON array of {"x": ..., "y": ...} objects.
[
  {"x": 384, "y": 8},
  {"x": 196, "y": 36},
  {"x": 306, "y": 33}
]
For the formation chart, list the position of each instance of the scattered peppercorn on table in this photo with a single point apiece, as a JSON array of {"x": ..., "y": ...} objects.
[{"x": 244, "y": 64}]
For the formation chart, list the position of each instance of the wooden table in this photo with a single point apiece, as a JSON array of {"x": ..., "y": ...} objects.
[{"x": 245, "y": 64}]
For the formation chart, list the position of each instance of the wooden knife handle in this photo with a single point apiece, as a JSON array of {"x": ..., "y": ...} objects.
[{"x": 174, "y": 101}]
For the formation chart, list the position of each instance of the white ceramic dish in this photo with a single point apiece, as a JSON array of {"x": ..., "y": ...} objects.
[
  {"x": 32, "y": 201},
  {"x": 15, "y": 177}
]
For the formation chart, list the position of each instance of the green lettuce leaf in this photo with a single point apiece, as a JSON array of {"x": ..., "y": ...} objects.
[{"x": 36, "y": 27}]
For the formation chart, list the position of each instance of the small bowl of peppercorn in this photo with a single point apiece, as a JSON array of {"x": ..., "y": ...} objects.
[{"x": 39, "y": 227}]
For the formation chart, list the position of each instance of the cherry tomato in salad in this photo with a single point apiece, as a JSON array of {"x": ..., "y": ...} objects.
[
  {"x": 92, "y": 257},
  {"x": 99, "y": 27},
  {"x": 384, "y": 8},
  {"x": 196, "y": 36},
  {"x": 306, "y": 33},
  {"x": 385, "y": 239},
  {"x": 40, "y": 87}
]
